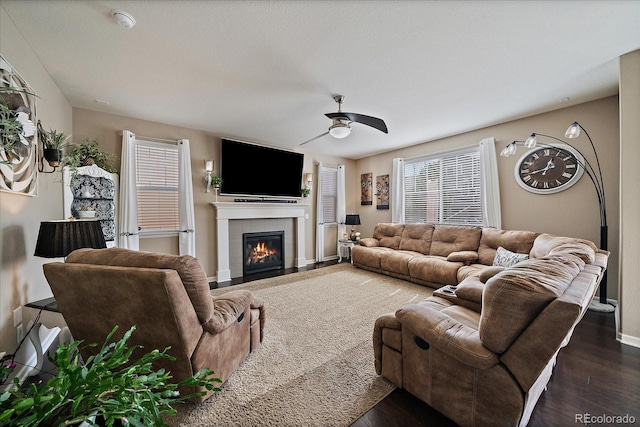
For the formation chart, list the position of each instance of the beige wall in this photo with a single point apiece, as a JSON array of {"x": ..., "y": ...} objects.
[
  {"x": 20, "y": 216},
  {"x": 630, "y": 198},
  {"x": 107, "y": 129},
  {"x": 573, "y": 212}
]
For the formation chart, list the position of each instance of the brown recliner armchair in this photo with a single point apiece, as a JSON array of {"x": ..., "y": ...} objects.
[{"x": 167, "y": 298}]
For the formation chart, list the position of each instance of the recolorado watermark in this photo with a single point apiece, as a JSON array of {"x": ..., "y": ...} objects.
[{"x": 604, "y": 419}]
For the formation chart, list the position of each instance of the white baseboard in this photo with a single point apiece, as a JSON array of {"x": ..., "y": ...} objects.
[{"x": 630, "y": 340}]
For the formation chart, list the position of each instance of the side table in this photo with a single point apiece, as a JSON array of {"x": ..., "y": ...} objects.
[{"x": 344, "y": 247}]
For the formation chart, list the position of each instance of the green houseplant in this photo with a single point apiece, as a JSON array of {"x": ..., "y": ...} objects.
[
  {"x": 88, "y": 153},
  {"x": 108, "y": 386},
  {"x": 52, "y": 142},
  {"x": 216, "y": 181}
]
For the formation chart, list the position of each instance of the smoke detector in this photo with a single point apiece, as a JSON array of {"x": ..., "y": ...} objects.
[{"x": 123, "y": 19}]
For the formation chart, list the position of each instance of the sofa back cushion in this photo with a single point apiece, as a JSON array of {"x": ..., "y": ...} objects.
[
  {"x": 515, "y": 241},
  {"x": 389, "y": 235},
  {"x": 548, "y": 244},
  {"x": 417, "y": 238},
  {"x": 512, "y": 299},
  {"x": 188, "y": 268},
  {"x": 454, "y": 238}
]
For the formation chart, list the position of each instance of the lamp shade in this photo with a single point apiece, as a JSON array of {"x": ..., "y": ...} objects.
[
  {"x": 58, "y": 239},
  {"x": 352, "y": 219}
]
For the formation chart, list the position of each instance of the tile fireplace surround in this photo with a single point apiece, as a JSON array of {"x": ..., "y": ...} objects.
[{"x": 226, "y": 211}]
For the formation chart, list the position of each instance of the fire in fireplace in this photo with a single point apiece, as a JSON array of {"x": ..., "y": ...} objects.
[{"x": 262, "y": 251}]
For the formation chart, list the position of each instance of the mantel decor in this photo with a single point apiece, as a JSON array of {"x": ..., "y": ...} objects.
[{"x": 18, "y": 140}]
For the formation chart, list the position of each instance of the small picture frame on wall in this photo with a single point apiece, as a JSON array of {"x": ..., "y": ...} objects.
[
  {"x": 19, "y": 145},
  {"x": 365, "y": 189},
  {"x": 382, "y": 192}
]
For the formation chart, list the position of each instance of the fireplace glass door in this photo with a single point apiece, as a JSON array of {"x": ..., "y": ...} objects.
[{"x": 262, "y": 251}]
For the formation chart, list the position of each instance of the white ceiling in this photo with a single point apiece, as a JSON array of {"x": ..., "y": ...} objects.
[{"x": 265, "y": 71}]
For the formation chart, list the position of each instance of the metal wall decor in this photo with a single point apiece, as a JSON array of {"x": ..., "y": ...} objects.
[
  {"x": 18, "y": 137},
  {"x": 382, "y": 192},
  {"x": 365, "y": 189}
]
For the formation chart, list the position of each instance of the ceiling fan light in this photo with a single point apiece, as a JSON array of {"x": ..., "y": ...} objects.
[{"x": 340, "y": 130}]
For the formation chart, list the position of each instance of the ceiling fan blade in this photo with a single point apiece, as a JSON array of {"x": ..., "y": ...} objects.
[
  {"x": 314, "y": 138},
  {"x": 374, "y": 122}
]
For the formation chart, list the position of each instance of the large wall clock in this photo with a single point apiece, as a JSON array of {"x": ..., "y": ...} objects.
[{"x": 550, "y": 169}]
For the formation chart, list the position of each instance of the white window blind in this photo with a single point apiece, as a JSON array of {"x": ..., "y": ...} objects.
[
  {"x": 157, "y": 184},
  {"x": 329, "y": 194},
  {"x": 444, "y": 189}
]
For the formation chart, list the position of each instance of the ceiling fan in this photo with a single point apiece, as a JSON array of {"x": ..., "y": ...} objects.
[{"x": 341, "y": 126}]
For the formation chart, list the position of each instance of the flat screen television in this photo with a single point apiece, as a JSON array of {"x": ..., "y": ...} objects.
[{"x": 256, "y": 170}]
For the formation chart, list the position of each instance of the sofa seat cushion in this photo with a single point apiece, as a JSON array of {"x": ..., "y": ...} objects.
[
  {"x": 417, "y": 238},
  {"x": 397, "y": 261},
  {"x": 469, "y": 270},
  {"x": 388, "y": 235},
  {"x": 435, "y": 269},
  {"x": 463, "y": 315},
  {"x": 454, "y": 238},
  {"x": 513, "y": 298},
  {"x": 368, "y": 257},
  {"x": 470, "y": 289}
]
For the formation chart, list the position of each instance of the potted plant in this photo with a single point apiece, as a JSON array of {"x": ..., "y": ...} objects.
[
  {"x": 305, "y": 191},
  {"x": 109, "y": 387},
  {"x": 216, "y": 181},
  {"x": 88, "y": 153},
  {"x": 52, "y": 142}
]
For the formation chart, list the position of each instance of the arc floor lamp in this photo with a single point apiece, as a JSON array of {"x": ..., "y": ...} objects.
[{"x": 595, "y": 175}]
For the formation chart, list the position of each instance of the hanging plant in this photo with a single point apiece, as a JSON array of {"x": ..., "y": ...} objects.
[{"x": 87, "y": 154}]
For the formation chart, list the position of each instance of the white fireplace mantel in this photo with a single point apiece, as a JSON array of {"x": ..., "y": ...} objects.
[{"x": 226, "y": 211}]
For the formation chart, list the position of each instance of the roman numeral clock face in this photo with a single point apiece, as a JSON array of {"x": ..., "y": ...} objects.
[{"x": 549, "y": 170}]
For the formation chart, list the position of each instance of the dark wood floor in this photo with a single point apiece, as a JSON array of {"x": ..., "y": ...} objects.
[{"x": 594, "y": 375}]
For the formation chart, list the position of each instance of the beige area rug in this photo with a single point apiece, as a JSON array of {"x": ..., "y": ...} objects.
[{"x": 315, "y": 366}]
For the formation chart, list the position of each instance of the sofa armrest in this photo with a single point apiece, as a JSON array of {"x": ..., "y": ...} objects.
[
  {"x": 369, "y": 242},
  {"x": 447, "y": 335},
  {"x": 227, "y": 308},
  {"x": 467, "y": 257}
]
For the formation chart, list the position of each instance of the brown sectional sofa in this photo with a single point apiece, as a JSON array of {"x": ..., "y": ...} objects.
[{"x": 482, "y": 349}]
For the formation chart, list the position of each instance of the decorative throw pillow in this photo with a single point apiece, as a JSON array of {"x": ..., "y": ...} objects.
[{"x": 506, "y": 258}]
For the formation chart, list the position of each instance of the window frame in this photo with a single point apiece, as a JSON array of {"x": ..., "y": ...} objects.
[
  {"x": 470, "y": 155},
  {"x": 167, "y": 232}
]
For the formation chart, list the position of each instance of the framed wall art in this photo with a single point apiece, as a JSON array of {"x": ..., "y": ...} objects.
[
  {"x": 365, "y": 189},
  {"x": 382, "y": 192},
  {"x": 18, "y": 137}
]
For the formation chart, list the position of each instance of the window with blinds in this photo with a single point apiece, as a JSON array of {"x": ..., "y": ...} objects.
[
  {"x": 157, "y": 185},
  {"x": 329, "y": 194},
  {"x": 444, "y": 189}
]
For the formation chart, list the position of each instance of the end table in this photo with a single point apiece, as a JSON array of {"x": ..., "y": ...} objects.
[{"x": 344, "y": 247}]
